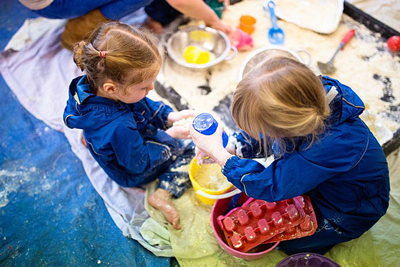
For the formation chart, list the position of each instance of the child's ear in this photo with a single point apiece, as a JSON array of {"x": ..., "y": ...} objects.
[{"x": 109, "y": 87}]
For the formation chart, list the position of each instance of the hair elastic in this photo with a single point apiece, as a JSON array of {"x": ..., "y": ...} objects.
[{"x": 102, "y": 54}]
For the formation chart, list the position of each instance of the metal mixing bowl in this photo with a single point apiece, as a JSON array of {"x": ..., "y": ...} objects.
[
  {"x": 263, "y": 53},
  {"x": 211, "y": 40}
]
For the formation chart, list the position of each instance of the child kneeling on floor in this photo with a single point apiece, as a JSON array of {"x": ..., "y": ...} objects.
[
  {"x": 322, "y": 149},
  {"x": 131, "y": 137}
]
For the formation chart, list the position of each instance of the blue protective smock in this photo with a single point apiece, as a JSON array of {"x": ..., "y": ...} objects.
[
  {"x": 344, "y": 172},
  {"x": 127, "y": 140}
]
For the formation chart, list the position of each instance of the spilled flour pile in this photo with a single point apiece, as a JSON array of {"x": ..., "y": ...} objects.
[{"x": 365, "y": 65}]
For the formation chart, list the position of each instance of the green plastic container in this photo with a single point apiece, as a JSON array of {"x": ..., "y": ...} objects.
[{"x": 217, "y": 6}]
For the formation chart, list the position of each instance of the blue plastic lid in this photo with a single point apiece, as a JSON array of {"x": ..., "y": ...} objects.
[{"x": 205, "y": 123}]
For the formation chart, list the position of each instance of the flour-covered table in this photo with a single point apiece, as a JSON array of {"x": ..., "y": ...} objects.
[{"x": 366, "y": 65}]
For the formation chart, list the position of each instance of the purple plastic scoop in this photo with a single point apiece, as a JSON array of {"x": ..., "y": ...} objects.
[{"x": 307, "y": 260}]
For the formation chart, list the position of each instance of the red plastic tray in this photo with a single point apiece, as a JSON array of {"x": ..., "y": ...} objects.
[
  {"x": 305, "y": 228},
  {"x": 258, "y": 221}
]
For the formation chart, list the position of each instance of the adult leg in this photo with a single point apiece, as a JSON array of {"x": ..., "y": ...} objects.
[
  {"x": 70, "y": 9},
  {"x": 117, "y": 9},
  {"x": 111, "y": 9},
  {"x": 160, "y": 14},
  {"x": 86, "y": 15}
]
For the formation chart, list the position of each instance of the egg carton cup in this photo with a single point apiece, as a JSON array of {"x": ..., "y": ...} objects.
[
  {"x": 305, "y": 228},
  {"x": 257, "y": 222}
]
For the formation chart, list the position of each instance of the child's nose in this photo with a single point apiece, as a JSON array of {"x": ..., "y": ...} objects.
[{"x": 151, "y": 87}]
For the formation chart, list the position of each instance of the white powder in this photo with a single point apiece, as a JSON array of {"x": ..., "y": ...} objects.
[
  {"x": 20, "y": 181},
  {"x": 184, "y": 122},
  {"x": 311, "y": 14}
]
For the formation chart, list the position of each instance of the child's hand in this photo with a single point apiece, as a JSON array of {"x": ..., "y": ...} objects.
[
  {"x": 226, "y": 3},
  {"x": 231, "y": 146},
  {"x": 176, "y": 116},
  {"x": 208, "y": 144},
  {"x": 219, "y": 25},
  {"x": 179, "y": 132},
  {"x": 202, "y": 158},
  {"x": 211, "y": 145}
]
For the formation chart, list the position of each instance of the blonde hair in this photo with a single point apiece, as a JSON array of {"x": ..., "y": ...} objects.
[
  {"x": 113, "y": 51},
  {"x": 281, "y": 99}
]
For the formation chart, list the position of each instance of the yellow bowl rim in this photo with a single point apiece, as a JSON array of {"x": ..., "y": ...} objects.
[{"x": 195, "y": 184}]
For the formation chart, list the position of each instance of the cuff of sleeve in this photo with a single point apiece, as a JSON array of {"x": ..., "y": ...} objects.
[
  {"x": 164, "y": 115},
  {"x": 229, "y": 164}
]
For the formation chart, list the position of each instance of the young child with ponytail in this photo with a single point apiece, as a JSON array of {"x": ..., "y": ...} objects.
[
  {"x": 322, "y": 149},
  {"x": 131, "y": 137}
]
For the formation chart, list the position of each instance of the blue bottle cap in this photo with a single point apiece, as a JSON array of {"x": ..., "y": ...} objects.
[{"x": 205, "y": 123}]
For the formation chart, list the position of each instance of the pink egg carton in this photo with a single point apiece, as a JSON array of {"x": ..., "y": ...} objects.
[
  {"x": 257, "y": 222},
  {"x": 305, "y": 228}
]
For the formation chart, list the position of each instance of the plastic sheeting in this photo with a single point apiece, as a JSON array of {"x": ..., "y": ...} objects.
[
  {"x": 196, "y": 245},
  {"x": 50, "y": 215}
]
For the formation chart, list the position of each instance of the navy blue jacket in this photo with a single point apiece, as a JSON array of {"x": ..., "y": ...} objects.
[
  {"x": 344, "y": 171},
  {"x": 127, "y": 140}
]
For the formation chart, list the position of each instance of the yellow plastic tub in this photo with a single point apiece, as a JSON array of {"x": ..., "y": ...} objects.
[{"x": 208, "y": 196}]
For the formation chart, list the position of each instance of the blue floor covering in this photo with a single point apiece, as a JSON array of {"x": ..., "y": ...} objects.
[{"x": 50, "y": 215}]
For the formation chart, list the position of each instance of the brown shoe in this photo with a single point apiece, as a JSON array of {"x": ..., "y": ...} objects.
[{"x": 77, "y": 29}]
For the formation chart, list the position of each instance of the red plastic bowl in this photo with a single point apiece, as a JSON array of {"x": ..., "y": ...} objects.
[{"x": 218, "y": 209}]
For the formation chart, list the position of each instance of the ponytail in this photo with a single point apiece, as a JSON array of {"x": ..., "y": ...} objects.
[
  {"x": 79, "y": 54},
  {"x": 113, "y": 51}
]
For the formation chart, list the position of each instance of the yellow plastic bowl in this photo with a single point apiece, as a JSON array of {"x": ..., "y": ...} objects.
[{"x": 193, "y": 169}]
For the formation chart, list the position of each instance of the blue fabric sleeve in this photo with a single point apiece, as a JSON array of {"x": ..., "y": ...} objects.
[
  {"x": 159, "y": 113},
  {"x": 285, "y": 178},
  {"x": 136, "y": 155},
  {"x": 250, "y": 147}
]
